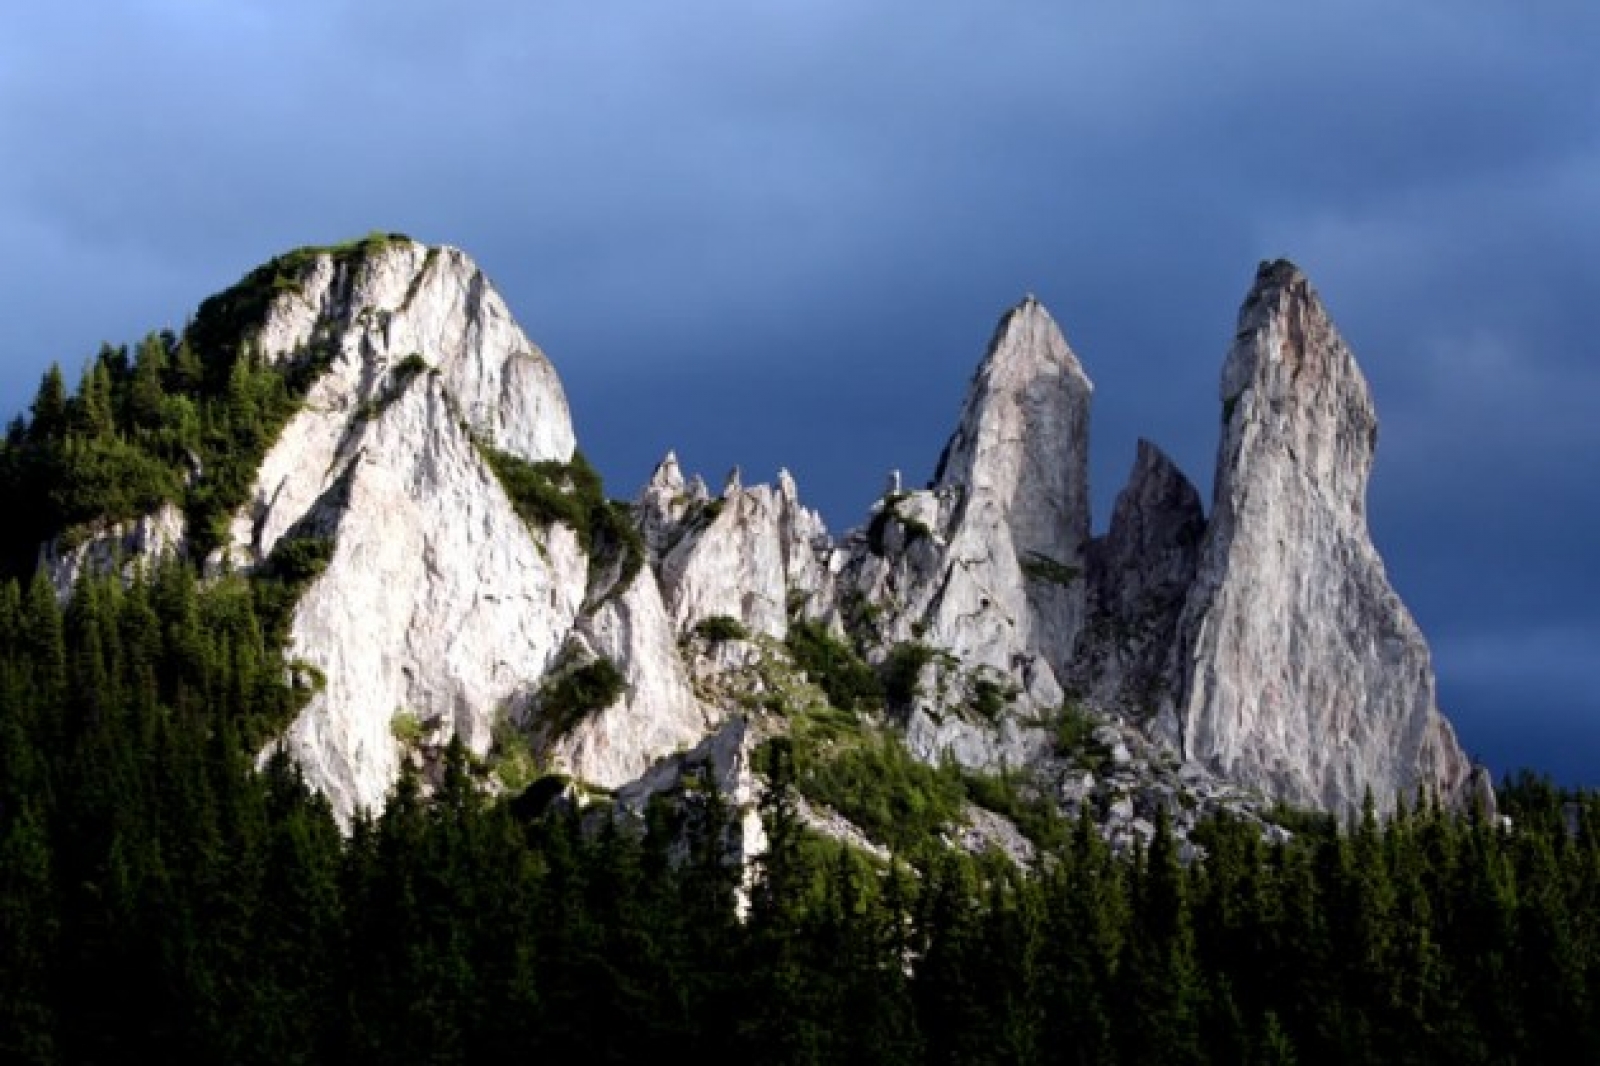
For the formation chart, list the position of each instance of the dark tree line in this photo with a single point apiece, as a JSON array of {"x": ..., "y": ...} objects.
[{"x": 162, "y": 896}]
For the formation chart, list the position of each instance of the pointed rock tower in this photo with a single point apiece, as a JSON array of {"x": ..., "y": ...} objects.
[
  {"x": 986, "y": 566},
  {"x": 1303, "y": 674},
  {"x": 1140, "y": 573},
  {"x": 1019, "y": 461}
]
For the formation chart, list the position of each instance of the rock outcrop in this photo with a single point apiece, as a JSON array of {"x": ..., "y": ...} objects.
[
  {"x": 123, "y": 548},
  {"x": 658, "y": 712},
  {"x": 987, "y": 565},
  {"x": 1019, "y": 461},
  {"x": 1140, "y": 573},
  {"x": 745, "y": 555},
  {"x": 438, "y": 604},
  {"x": 1260, "y": 655},
  {"x": 1303, "y": 674}
]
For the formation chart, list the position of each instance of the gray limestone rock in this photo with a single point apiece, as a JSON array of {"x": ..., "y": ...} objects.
[
  {"x": 1304, "y": 675},
  {"x": 1018, "y": 468},
  {"x": 663, "y": 505},
  {"x": 742, "y": 556},
  {"x": 438, "y": 602},
  {"x": 658, "y": 712},
  {"x": 987, "y": 565},
  {"x": 1139, "y": 578},
  {"x": 125, "y": 548},
  {"x": 1262, "y": 655}
]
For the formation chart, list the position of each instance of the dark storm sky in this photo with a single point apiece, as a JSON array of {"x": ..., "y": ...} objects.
[{"x": 779, "y": 234}]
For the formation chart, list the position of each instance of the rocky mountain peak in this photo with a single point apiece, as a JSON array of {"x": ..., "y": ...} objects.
[
  {"x": 440, "y": 607},
  {"x": 1304, "y": 674},
  {"x": 398, "y": 298},
  {"x": 1019, "y": 462},
  {"x": 662, "y": 504},
  {"x": 1157, "y": 514},
  {"x": 1140, "y": 574},
  {"x": 1023, "y": 430},
  {"x": 667, "y": 477},
  {"x": 1289, "y": 375}
]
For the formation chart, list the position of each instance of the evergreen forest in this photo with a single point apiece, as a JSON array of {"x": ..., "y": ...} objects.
[{"x": 164, "y": 898}]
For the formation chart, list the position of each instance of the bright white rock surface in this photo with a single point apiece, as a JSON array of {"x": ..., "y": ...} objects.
[{"x": 1304, "y": 674}]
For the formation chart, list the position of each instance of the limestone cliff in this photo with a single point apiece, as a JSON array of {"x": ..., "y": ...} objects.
[
  {"x": 658, "y": 712},
  {"x": 987, "y": 565},
  {"x": 439, "y": 604},
  {"x": 1303, "y": 674},
  {"x": 744, "y": 555}
]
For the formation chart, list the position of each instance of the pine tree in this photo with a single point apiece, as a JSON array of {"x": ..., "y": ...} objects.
[
  {"x": 1157, "y": 978},
  {"x": 779, "y": 1017},
  {"x": 28, "y": 933},
  {"x": 1086, "y": 913},
  {"x": 951, "y": 1008},
  {"x": 50, "y": 407},
  {"x": 96, "y": 416}
]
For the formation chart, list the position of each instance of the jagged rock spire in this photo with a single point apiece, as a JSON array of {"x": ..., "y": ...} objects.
[
  {"x": 666, "y": 477},
  {"x": 1019, "y": 459},
  {"x": 743, "y": 556},
  {"x": 1140, "y": 573},
  {"x": 1023, "y": 435},
  {"x": 1304, "y": 674}
]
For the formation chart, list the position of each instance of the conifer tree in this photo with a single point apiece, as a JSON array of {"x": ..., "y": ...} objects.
[
  {"x": 50, "y": 410},
  {"x": 1157, "y": 979},
  {"x": 28, "y": 933},
  {"x": 146, "y": 391},
  {"x": 779, "y": 1017}
]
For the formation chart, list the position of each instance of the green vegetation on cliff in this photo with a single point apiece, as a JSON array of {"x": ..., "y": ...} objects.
[
  {"x": 183, "y": 420},
  {"x": 572, "y": 494}
]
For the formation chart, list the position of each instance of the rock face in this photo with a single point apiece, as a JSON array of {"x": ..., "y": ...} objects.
[
  {"x": 1303, "y": 673},
  {"x": 1018, "y": 467},
  {"x": 658, "y": 712},
  {"x": 409, "y": 298},
  {"x": 740, "y": 556},
  {"x": 439, "y": 603},
  {"x": 1139, "y": 577},
  {"x": 122, "y": 547},
  {"x": 988, "y": 564}
]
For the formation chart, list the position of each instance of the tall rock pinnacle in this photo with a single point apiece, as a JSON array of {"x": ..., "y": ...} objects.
[
  {"x": 1304, "y": 675},
  {"x": 1140, "y": 574},
  {"x": 987, "y": 564},
  {"x": 1020, "y": 460},
  {"x": 1021, "y": 445}
]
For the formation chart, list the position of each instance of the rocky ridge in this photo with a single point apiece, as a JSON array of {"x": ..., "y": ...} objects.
[{"x": 1201, "y": 665}]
